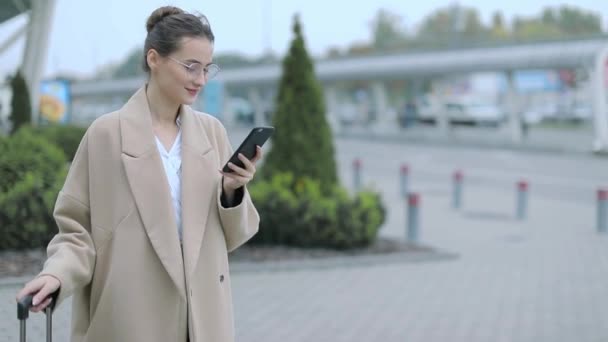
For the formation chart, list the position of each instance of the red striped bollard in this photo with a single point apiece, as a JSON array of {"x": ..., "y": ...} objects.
[
  {"x": 602, "y": 210},
  {"x": 522, "y": 200},
  {"x": 457, "y": 189},
  {"x": 404, "y": 177},
  {"x": 413, "y": 217}
]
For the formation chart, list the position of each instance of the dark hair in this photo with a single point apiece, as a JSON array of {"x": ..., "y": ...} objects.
[{"x": 167, "y": 25}]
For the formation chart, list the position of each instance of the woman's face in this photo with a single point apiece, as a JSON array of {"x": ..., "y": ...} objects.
[{"x": 181, "y": 75}]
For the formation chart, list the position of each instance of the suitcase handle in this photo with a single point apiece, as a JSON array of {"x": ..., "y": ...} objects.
[
  {"x": 23, "y": 307},
  {"x": 23, "y": 312},
  {"x": 25, "y": 303}
]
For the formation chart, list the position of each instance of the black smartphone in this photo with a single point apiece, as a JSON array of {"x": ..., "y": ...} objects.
[{"x": 257, "y": 137}]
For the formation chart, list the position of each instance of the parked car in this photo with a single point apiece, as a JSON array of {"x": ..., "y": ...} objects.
[
  {"x": 581, "y": 111},
  {"x": 538, "y": 113},
  {"x": 474, "y": 113}
]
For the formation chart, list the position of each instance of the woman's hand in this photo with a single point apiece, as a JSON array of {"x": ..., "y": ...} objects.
[
  {"x": 240, "y": 176},
  {"x": 42, "y": 287}
]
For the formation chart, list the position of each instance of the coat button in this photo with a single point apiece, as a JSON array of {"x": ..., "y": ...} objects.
[{"x": 221, "y": 278}]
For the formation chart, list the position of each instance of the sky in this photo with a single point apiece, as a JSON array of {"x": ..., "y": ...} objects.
[{"x": 86, "y": 35}]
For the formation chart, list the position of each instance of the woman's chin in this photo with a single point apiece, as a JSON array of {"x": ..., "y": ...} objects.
[{"x": 188, "y": 100}]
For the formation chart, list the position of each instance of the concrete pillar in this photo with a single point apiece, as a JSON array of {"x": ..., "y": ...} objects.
[
  {"x": 255, "y": 98},
  {"x": 36, "y": 49},
  {"x": 598, "y": 87},
  {"x": 331, "y": 98},
  {"x": 331, "y": 107},
  {"x": 442, "y": 119},
  {"x": 10, "y": 40},
  {"x": 437, "y": 104},
  {"x": 512, "y": 110},
  {"x": 380, "y": 102}
]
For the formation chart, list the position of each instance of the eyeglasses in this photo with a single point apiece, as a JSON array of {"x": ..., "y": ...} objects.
[{"x": 194, "y": 70}]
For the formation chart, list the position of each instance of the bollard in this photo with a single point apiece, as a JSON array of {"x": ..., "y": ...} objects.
[
  {"x": 522, "y": 200},
  {"x": 413, "y": 217},
  {"x": 457, "y": 189},
  {"x": 357, "y": 174},
  {"x": 405, "y": 170},
  {"x": 602, "y": 210}
]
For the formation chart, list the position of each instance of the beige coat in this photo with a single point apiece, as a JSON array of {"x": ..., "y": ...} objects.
[{"x": 118, "y": 251}]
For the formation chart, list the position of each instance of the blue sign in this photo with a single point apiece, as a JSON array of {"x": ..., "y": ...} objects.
[
  {"x": 537, "y": 80},
  {"x": 213, "y": 94},
  {"x": 55, "y": 99}
]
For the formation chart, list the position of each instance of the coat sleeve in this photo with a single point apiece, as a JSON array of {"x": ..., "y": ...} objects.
[
  {"x": 241, "y": 221},
  {"x": 71, "y": 253}
]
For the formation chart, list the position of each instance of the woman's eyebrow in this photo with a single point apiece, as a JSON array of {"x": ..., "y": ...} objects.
[{"x": 192, "y": 60}]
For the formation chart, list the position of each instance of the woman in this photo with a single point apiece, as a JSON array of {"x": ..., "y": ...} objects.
[{"x": 146, "y": 217}]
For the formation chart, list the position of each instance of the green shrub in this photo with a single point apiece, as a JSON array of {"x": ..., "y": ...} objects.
[
  {"x": 32, "y": 172},
  {"x": 67, "y": 138},
  {"x": 297, "y": 213}
]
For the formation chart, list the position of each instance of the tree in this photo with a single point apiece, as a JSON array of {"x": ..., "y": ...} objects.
[
  {"x": 534, "y": 29},
  {"x": 549, "y": 17},
  {"x": 333, "y": 52},
  {"x": 302, "y": 143},
  {"x": 386, "y": 31},
  {"x": 451, "y": 25},
  {"x": 498, "y": 31},
  {"x": 132, "y": 66},
  {"x": 21, "y": 107},
  {"x": 359, "y": 49},
  {"x": 473, "y": 29},
  {"x": 574, "y": 21},
  {"x": 232, "y": 60},
  {"x": 438, "y": 24},
  {"x": 562, "y": 22}
]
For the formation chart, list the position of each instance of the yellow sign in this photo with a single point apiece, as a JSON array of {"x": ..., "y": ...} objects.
[{"x": 54, "y": 101}]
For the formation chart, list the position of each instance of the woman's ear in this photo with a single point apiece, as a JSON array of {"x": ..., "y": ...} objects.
[{"x": 153, "y": 59}]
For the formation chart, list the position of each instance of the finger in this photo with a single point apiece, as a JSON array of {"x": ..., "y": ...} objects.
[
  {"x": 43, "y": 305},
  {"x": 239, "y": 179},
  {"x": 239, "y": 170},
  {"x": 30, "y": 288},
  {"x": 258, "y": 154},
  {"x": 249, "y": 166},
  {"x": 44, "y": 292},
  {"x": 236, "y": 177}
]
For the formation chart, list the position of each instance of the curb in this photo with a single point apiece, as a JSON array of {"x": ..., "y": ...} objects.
[
  {"x": 352, "y": 261},
  {"x": 464, "y": 143},
  {"x": 320, "y": 263}
]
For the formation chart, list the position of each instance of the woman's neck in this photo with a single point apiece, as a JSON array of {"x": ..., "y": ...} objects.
[{"x": 163, "y": 111}]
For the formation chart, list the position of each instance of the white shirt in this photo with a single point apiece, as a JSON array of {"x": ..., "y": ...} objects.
[{"x": 172, "y": 162}]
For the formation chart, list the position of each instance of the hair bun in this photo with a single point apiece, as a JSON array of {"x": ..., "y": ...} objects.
[{"x": 160, "y": 14}]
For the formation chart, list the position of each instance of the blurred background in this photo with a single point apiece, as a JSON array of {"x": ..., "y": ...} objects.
[
  {"x": 518, "y": 72},
  {"x": 458, "y": 151}
]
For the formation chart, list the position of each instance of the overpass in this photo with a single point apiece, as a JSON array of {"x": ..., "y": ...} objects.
[{"x": 589, "y": 54}]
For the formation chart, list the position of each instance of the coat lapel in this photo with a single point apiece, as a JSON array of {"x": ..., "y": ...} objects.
[
  {"x": 199, "y": 188},
  {"x": 149, "y": 185}
]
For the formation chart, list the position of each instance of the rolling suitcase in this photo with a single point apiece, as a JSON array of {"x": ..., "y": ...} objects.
[{"x": 23, "y": 310}]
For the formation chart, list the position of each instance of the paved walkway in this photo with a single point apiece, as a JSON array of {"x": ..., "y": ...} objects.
[{"x": 544, "y": 279}]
